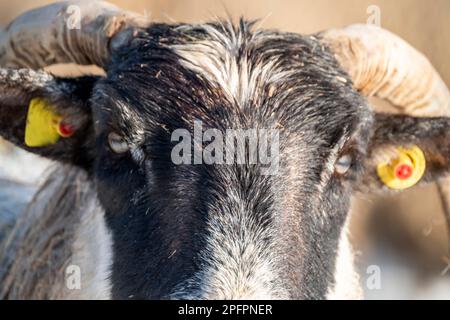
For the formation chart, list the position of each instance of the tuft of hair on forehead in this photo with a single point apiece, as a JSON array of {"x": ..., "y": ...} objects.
[
  {"x": 211, "y": 70},
  {"x": 251, "y": 66}
]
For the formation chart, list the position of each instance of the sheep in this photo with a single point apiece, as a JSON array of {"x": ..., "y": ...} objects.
[{"x": 136, "y": 225}]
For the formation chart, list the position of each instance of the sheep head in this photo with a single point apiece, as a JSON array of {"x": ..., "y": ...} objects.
[{"x": 224, "y": 230}]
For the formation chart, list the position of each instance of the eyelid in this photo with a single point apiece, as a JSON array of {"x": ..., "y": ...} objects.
[{"x": 348, "y": 147}]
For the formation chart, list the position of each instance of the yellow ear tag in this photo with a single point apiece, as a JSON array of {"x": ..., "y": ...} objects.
[
  {"x": 42, "y": 124},
  {"x": 404, "y": 171}
]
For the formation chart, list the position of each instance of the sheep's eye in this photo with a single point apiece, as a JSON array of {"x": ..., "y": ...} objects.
[
  {"x": 343, "y": 164},
  {"x": 117, "y": 143}
]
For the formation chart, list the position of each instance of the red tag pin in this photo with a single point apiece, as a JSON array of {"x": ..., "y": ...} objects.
[
  {"x": 65, "y": 130},
  {"x": 403, "y": 171}
]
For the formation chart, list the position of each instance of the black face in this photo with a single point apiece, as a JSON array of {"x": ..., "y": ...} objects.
[{"x": 226, "y": 230}]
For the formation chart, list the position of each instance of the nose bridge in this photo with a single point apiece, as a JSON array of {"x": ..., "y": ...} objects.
[{"x": 238, "y": 260}]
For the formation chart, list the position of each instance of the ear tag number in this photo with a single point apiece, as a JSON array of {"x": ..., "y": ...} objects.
[
  {"x": 405, "y": 170},
  {"x": 44, "y": 127}
]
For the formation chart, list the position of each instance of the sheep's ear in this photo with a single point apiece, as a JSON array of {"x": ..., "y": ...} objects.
[
  {"x": 406, "y": 151},
  {"x": 46, "y": 115}
]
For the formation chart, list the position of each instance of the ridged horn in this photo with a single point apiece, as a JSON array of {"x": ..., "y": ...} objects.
[
  {"x": 383, "y": 65},
  {"x": 81, "y": 32}
]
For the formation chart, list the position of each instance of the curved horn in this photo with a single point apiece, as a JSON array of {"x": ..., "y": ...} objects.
[
  {"x": 81, "y": 32},
  {"x": 383, "y": 65}
]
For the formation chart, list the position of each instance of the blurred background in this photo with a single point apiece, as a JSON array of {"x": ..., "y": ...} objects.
[{"x": 402, "y": 240}]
